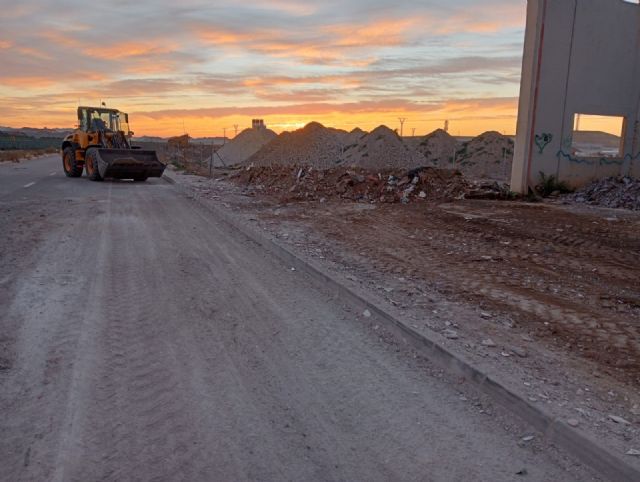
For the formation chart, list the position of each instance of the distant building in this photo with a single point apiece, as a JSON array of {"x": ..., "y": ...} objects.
[{"x": 258, "y": 124}]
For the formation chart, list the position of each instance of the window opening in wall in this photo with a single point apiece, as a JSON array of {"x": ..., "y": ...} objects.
[{"x": 597, "y": 136}]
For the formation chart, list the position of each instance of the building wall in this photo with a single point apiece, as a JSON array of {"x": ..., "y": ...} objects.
[{"x": 580, "y": 56}]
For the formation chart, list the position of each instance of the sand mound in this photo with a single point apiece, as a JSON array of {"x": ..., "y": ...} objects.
[
  {"x": 380, "y": 149},
  {"x": 353, "y": 137},
  {"x": 487, "y": 156},
  {"x": 245, "y": 144},
  {"x": 437, "y": 148},
  {"x": 314, "y": 145}
]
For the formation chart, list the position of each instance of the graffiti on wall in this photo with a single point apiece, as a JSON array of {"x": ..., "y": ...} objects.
[
  {"x": 542, "y": 141},
  {"x": 603, "y": 161}
]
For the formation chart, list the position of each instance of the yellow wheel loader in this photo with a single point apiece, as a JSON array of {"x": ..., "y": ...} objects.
[{"x": 101, "y": 145}]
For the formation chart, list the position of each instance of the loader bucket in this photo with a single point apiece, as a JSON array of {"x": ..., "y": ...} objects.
[{"x": 129, "y": 163}]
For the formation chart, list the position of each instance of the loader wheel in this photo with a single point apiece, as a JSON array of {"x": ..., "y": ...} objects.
[
  {"x": 91, "y": 163},
  {"x": 69, "y": 163}
]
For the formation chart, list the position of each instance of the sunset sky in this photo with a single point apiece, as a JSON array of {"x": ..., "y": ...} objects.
[{"x": 201, "y": 66}]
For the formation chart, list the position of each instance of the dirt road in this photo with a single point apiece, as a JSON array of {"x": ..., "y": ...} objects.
[{"x": 142, "y": 340}]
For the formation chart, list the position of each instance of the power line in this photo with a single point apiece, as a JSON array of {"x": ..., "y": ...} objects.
[{"x": 402, "y": 121}]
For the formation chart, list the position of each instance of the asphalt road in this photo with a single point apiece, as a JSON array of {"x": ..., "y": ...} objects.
[{"x": 142, "y": 339}]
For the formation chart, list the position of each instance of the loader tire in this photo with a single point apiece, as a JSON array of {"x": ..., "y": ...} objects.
[
  {"x": 69, "y": 163},
  {"x": 91, "y": 164}
]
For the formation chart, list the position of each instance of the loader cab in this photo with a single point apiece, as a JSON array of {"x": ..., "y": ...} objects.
[{"x": 92, "y": 119}]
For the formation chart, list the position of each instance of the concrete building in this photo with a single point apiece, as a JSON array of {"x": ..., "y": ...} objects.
[{"x": 581, "y": 59}]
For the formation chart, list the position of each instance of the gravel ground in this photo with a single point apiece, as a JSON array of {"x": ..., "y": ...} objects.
[
  {"x": 519, "y": 289},
  {"x": 144, "y": 340}
]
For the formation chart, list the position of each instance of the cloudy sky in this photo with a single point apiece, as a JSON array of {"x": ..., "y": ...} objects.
[{"x": 201, "y": 66}]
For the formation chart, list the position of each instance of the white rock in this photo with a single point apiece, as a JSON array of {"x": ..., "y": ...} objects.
[
  {"x": 620, "y": 420},
  {"x": 489, "y": 343},
  {"x": 634, "y": 452},
  {"x": 572, "y": 422},
  {"x": 367, "y": 314}
]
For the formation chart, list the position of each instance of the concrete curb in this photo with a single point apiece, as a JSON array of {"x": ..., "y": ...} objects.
[{"x": 579, "y": 445}]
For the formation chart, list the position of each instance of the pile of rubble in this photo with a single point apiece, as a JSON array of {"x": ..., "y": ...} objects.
[
  {"x": 245, "y": 145},
  {"x": 489, "y": 155},
  {"x": 612, "y": 192},
  {"x": 314, "y": 145},
  {"x": 437, "y": 149},
  {"x": 294, "y": 183},
  {"x": 382, "y": 148}
]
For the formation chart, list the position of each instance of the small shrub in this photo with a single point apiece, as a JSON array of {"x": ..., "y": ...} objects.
[{"x": 550, "y": 184}]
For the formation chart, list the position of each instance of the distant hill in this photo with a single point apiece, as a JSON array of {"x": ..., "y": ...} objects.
[
  {"x": 596, "y": 138},
  {"x": 36, "y": 133}
]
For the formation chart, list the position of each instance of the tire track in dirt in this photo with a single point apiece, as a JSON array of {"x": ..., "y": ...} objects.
[
  {"x": 557, "y": 283},
  {"x": 138, "y": 402}
]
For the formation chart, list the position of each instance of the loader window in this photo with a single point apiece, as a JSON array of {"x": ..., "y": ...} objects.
[{"x": 101, "y": 120}]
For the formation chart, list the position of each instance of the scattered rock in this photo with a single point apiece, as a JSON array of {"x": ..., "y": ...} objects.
[
  {"x": 521, "y": 352},
  {"x": 528, "y": 438},
  {"x": 572, "y": 422},
  {"x": 367, "y": 314},
  {"x": 633, "y": 452},
  {"x": 488, "y": 343},
  {"x": 619, "y": 420},
  {"x": 484, "y": 315},
  {"x": 450, "y": 334}
]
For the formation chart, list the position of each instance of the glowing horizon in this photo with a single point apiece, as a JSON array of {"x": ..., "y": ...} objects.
[{"x": 202, "y": 66}]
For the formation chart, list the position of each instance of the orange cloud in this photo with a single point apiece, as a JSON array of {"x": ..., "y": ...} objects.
[
  {"x": 378, "y": 33},
  {"x": 127, "y": 49},
  {"x": 30, "y": 82}
]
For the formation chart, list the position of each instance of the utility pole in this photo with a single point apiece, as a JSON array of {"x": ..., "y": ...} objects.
[
  {"x": 224, "y": 136},
  {"x": 446, "y": 126},
  {"x": 402, "y": 120},
  {"x": 413, "y": 132},
  {"x": 235, "y": 126},
  {"x": 578, "y": 122}
]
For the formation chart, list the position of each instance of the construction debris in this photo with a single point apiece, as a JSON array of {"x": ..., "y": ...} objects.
[
  {"x": 384, "y": 186},
  {"x": 612, "y": 192}
]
